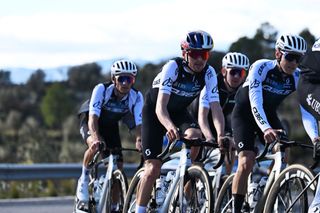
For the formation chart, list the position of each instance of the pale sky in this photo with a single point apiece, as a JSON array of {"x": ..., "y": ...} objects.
[{"x": 51, "y": 33}]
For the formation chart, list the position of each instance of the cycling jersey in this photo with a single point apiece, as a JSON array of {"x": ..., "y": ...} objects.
[
  {"x": 227, "y": 102},
  {"x": 309, "y": 91},
  {"x": 258, "y": 99},
  {"x": 183, "y": 86},
  {"x": 104, "y": 104}
]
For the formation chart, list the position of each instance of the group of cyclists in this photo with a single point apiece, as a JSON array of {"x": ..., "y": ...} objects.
[{"x": 189, "y": 98}]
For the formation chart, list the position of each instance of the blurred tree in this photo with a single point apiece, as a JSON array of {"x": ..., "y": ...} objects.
[
  {"x": 36, "y": 82},
  {"x": 310, "y": 39},
  {"x": 85, "y": 77},
  {"x": 5, "y": 77},
  {"x": 56, "y": 105}
]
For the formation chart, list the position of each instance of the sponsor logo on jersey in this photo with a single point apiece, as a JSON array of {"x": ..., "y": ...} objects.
[
  {"x": 276, "y": 90},
  {"x": 258, "y": 116},
  {"x": 255, "y": 84},
  {"x": 313, "y": 103},
  {"x": 261, "y": 68},
  {"x": 168, "y": 82}
]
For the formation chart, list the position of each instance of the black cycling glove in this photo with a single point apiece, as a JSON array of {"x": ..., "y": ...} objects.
[{"x": 316, "y": 149}]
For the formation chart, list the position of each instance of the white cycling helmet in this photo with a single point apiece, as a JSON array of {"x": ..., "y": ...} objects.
[
  {"x": 291, "y": 43},
  {"x": 123, "y": 67},
  {"x": 316, "y": 45},
  {"x": 197, "y": 40},
  {"x": 235, "y": 60}
]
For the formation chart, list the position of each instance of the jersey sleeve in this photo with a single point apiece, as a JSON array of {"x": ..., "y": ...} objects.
[
  {"x": 255, "y": 78},
  {"x": 203, "y": 99},
  {"x": 96, "y": 100},
  {"x": 137, "y": 110},
  {"x": 168, "y": 75},
  {"x": 211, "y": 87},
  {"x": 310, "y": 124}
]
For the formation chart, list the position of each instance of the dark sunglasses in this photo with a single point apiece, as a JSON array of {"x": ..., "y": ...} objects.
[
  {"x": 241, "y": 72},
  {"x": 291, "y": 57},
  {"x": 204, "y": 54},
  {"x": 125, "y": 78}
]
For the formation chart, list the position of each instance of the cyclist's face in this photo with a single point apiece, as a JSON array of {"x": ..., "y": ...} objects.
[
  {"x": 197, "y": 59},
  {"x": 288, "y": 61},
  {"x": 234, "y": 76},
  {"x": 124, "y": 83}
]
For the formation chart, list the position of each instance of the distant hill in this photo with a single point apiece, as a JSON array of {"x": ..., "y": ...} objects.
[{"x": 20, "y": 75}]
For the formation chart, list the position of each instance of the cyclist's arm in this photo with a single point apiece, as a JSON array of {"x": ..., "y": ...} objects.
[
  {"x": 138, "y": 137},
  {"x": 310, "y": 124},
  {"x": 218, "y": 118},
  {"x": 255, "y": 77},
  {"x": 137, "y": 111},
  {"x": 203, "y": 114},
  {"x": 164, "y": 117},
  {"x": 168, "y": 76},
  {"x": 212, "y": 92},
  {"x": 95, "y": 106}
]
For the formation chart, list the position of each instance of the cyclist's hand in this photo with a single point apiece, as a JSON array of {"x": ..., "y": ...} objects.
[
  {"x": 271, "y": 135},
  {"x": 316, "y": 148},
  {"x": 223, "y": 142},
  {"x": 173, "y": 134}
]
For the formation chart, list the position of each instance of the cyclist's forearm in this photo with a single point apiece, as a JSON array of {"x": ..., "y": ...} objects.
[
  {"x": 94, "y": 127},
  {"x": 204, "y": 123}
]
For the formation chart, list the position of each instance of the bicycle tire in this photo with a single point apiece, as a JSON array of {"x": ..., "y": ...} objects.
[
  {"x": 287, "y": 187},
  {"x": 195, "y": 192},
  {"x": 224, "y": 199},
  {"x": 118, "y": 177},
  {"x": 130, "y": 201}
]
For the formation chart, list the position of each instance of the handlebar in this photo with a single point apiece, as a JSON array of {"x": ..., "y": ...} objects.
[
  {"x": 188, "y": 143},
  {"x": 284, "y": 143}
]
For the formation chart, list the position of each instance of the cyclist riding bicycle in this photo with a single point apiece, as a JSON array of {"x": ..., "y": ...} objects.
[
  {"x": 309, "y": 97},
  {"x": 165, "y": 109},
  {"x": 268, "y": 83},
  {"x": 233, "y": 72},
  {"x": 99, "y": 117}
]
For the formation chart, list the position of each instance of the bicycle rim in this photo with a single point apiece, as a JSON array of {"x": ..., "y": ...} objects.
[
  {"x": 286, "y": 189},
  {"x": 224, "y": 199},
  {"x": 197, "y": 193}
]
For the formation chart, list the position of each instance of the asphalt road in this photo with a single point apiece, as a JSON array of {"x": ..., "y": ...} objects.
[{"x": 37, "y": 205}]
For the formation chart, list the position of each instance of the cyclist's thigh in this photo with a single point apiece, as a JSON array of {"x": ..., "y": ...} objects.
[
  {"x": 111, "y": 136},
  {"x": 184, "y": 120},
  {"x": 152, "y": 133},
  {"x": 244, "y": 130}
]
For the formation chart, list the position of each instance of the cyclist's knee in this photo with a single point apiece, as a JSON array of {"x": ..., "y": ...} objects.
[
  {"x": 152, "y": 168},
  {"x": 193, "y": 133},
  {"x": 246, "y": 161}
]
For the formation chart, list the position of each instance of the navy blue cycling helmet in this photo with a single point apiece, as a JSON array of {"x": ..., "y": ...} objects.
[{"x": 197, "y": 40}]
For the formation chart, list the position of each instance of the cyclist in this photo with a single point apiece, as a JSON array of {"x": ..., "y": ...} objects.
[
  {"x": 99, "y": 117},
  {"x": 233, "y": 72},
  {"x": 165, "y": 108},
  {"x": 309, "y": 96},
  {"x": 268, "y": 83}
]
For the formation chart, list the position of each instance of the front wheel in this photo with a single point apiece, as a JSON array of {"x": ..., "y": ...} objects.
[
  {"x": 197, "y": 192},
  {"x": 131, "y": 198},
  {"x": 120, "y": 183},
  {"x": 224, "y": 199},
  {"x": 286, "y": 189}
]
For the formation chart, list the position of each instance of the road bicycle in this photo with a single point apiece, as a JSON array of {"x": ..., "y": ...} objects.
[
  {"x": 100, "y": 186},
  {"x": 294, "y": 189},
  {"x": 273, "y": 160},
  {"x": 187, "y": 187}
]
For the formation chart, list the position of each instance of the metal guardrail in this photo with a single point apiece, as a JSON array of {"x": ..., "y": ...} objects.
[{"x": 50, "y": 171}]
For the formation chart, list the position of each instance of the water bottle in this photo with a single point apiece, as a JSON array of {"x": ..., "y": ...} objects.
[
  {"x": 160, "y": 189},
  {"x": 97, "y": 188},
  {"x": 255, "y": 190}
]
